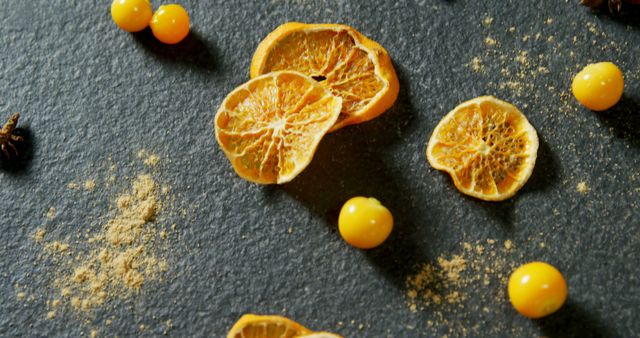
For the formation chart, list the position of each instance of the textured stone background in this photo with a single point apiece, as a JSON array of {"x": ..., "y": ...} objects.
[{"x": 88, "y": 91}]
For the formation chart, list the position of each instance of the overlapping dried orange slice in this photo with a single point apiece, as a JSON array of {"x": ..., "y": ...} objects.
[
  {"x": 255, "y": 326},
  {"x": 487, "y": 146},
  {"x": 269, "y": 128},
  {"x": 354, "y": 67}
]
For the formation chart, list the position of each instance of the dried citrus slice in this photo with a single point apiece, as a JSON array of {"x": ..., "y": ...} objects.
[
  {"x": 270, "y": 127},
  {"x": 320, "y": 335},
  {"x": 354, "y": 67},
  {"x": 255, "y": 326},
  {"x": 487, "y": 146}
]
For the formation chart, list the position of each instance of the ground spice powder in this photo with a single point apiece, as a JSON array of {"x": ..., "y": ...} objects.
[{"x": 116, "y": 260}]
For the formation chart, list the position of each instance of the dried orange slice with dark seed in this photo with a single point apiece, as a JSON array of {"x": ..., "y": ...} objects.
[
  {"x": 270, "y": 127},
  {"x": 487, "y": 146},
  {"x": 340, "y": 58}
]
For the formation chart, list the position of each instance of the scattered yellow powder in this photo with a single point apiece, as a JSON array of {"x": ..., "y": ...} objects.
[
  {"x": 446, "y": 286},
  {"x": 476, "y": 64},
  {"x": 489, "y": 41},
  {"x": 148, "y": 159},
  {"x": 89, "y": 185},
  {"x": 452, "y": 267},
  {"x": 118, "y": 259},
  {"x": 168, "y": 325},
  {"x": 548, "y": 21},
  {"x": 508, "y": 245},
  {"x": 56, "y": 247},
  {"x": 72, "y": 185},
  {"x": 51, "y": 214},
  {"x": 152, "y": 160},
  {"x": 39, "y": 235},
  {"x": 487, "y": 21},
  {"x": 51, "y": 314},
  {"x": 93, "y": 333},
  {"x": 582, "y": 188},
  {"x": 523, "y": 58},
  {"x": 511, "y": 29},
  {"x": 65, "y": 292},
  {"x": 21, "y": 295}
]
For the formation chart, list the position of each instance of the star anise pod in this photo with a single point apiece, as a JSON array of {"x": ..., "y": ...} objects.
[
  {"x": 615, "y": 6},
  {"x": 9, "y": 139}
]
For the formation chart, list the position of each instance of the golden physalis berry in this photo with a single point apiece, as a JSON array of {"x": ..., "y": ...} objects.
[
  {"x": 537, "y": 289},
  {"x": 170, "y": 24},
  {"x": 487, "y": 146},
  {"x": 352, "y": 66},
  {"x": 131, "y": 15},
  {"x": 364, "y": 222},
  {"x": 255, "y": 326},
  {"x": 270, "y": 127},
  {"x": 598, "y": 86}
]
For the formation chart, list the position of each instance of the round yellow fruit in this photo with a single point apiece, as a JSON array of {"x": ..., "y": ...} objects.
[
  {"x": 131, "y": 15},
  {"x": 537, "y": 289},
  {"x": 170, "y": 24},
  {"x": 598, "y": 86},
  {"x": 364, "y": 222}
]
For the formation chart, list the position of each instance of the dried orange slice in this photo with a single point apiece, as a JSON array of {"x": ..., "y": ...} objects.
[
  {"x": 320, "y": 335},
  {"x": 354, "y": 67},
  {"x": 487, "y": 146},
  {"x": 270, "y": 127},
  {"x": 255, "y": 326}
]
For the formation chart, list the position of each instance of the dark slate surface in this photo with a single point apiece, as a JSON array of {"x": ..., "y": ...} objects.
[{"x": 88, "y": 91}]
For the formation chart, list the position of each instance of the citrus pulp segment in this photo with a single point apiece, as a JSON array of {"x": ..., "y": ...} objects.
[
  {"x": 270, "y": 127},
  {"x": 487, "y": 146},
  {"x": 340, "y": 58}
]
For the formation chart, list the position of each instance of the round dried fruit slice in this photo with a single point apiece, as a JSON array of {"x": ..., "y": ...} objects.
[
  {"x": 270, "y": 127},
  {"x": 487, "y": 146},
  {"x": 255, "y": 326},
  {"x": 354, "y": 67},
  {"x": 320, "y": 335}
]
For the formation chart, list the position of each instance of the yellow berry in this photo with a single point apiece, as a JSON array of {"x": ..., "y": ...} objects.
[
  {"x": 170, "y": 24},
  {"x": 364, "y": 222},
  {"x": 131, "y": 15},
  {"x": 537, "y": 289},
  {"x": 598, "y": 86}
]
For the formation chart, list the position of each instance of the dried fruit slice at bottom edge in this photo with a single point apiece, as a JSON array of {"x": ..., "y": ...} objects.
[
  {"x": 354, "y": 67},
  {"x": 256, "y": 326},
  {"x": 487, "y": 146},
  {"x": 269, "y": 128},
  {"x": 320, "y": 335}
]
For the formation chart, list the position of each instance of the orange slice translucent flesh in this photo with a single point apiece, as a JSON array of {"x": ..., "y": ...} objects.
[
  {"x": 270, "y": 127},
  {"x": 253, "y": 326},
  {"x": 488, "y": 147},
  {"x": 333, "y": 58}
]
